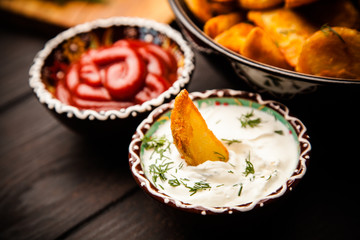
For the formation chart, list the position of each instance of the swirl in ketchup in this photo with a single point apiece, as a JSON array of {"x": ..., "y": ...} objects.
[{"x": 127, "y": 73}]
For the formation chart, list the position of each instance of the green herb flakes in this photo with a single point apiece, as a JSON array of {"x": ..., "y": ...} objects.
[
  {"x": 280, "y": 132},
  {"x": 174, "y": 182},
  {"x": 158, "y": 171},
  {"x": 326, "y": 29},
  {"x": 248, "y": 120},
  {"x": 230, "y": 141},
  {"x": 240, "y": 189},
  {"x": 198, "y": 186},
  {"x": 220, "y": 156},
  {"x": 249, "y": 167},
  {"x": 153, "y": 142}
]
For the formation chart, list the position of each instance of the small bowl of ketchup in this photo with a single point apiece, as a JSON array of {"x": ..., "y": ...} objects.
[{"x": 104, "y": 77}]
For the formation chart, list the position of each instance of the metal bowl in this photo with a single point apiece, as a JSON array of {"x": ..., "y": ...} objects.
[{"x": 261, "y": 77}]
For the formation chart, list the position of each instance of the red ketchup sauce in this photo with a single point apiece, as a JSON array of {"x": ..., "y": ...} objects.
[{"x": 127, "y": 73}]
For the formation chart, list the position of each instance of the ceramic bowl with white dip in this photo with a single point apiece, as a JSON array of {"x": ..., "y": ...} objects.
[{"x": 268, "y": 153}]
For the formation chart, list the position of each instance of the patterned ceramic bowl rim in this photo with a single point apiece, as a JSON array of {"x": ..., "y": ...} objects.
[
  {"x": 47, "y": 98},
  {"x": 141, "y": 179},
  {"x": 216, "y": 48}
]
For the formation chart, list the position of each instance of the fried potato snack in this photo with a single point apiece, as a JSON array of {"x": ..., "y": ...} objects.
[
  {"x": 287, "y": 28},
  {"x": 234, "y": 37},
  {"x": 222, "y": 6},
  {"x": 260, "y": 47},
  {"x": 332, "y": 52},
  {"x": 339, "y": 13},
  {"x": 205, "y": 9},
  {"x": 297, "y": 3},
  {"x": 258, "y": 4},
  {"x": 193, "y": 139},
  {"x": 216, "y": 25},
  {"x": 200, "y": 8}
]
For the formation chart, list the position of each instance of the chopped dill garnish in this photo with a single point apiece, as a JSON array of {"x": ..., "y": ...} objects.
[
  {"x": 220, "y": 156},
  {"x": 174, "y": 182},
  {"x": 248, "y": 120},
  {"x": 198, "y": 186},
  {"x": 158, "y": 171},
  {"x": 153, "y": 142},
  {"x": 159, "y": 144},
  {"x": 280, "y": 132},
  {"x": 249, "y": 167},
  {"x": 274, "y": 173},
  {"x": 326, "y": 29},
  {"x": 230, "y": 141},
  {"x": 161, "y": 152},
  {"x": 240, "y": 190},
  {"x": 230, "y": 171},
  {"x": 232, "y": 165}
]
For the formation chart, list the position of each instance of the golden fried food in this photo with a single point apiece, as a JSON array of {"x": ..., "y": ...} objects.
[
  {"x": 194, "y": 140},
  {"x": 258, "y": 4},
  {"x": 344, "y": 14},
  {"x": 332, "y": 52},
  {"x": 222, "y": 6},
  {"x": 216, "y": 25},
  {"x": 200, "y": 8},
  {"x": 234, "y": 37},
  {"x": 340, "y": 13},
  {"x": 260, "y": 47},
  {"x": 297, "y": 3},
  {"x": 224, "y": 1},
  {"x": 287, "y": 28},
  {"x": 281, "y": 29},
  {"x": 205, "y": 9}
]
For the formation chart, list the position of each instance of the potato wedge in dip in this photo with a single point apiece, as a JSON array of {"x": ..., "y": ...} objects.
[{"x": 264, "y": 152}]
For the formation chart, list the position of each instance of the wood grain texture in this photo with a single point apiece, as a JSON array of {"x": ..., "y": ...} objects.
[
  {"x": 52, "y": 179},
  {"x": 139, "y": 217},
  {"x": 15, "y": 61},
  {"x": 55, "y": 184},
  {"x": 76, "y": 12}
]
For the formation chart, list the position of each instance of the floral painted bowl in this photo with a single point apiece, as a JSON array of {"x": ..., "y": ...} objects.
[
  {"x": 252, "y": 176},
  {"x": 263, "y": 78},
  {"x": 54, "y": 60}
]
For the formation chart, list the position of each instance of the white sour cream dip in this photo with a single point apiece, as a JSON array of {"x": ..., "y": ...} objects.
[{"x": 261, "y": 159}]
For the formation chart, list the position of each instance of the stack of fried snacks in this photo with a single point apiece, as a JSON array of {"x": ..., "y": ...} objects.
[{"x": 317, "y": 37}]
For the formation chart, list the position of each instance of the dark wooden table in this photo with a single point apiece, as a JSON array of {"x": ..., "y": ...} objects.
[{"x": 54, "y": 184}]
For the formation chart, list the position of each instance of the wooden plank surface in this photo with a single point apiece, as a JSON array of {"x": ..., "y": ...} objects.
[
  {"x": 55, "y": 184},
  {"x": 319, "y": 207},
  {"x": 75, "y": 12},
  {"x": 14, "y": 80},
  {"x": 52, "y": 179}
]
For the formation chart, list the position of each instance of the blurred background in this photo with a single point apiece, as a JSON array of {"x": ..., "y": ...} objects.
[
  {"x": 54, "y": 184},
  {"x": 67, "y": 13}
]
